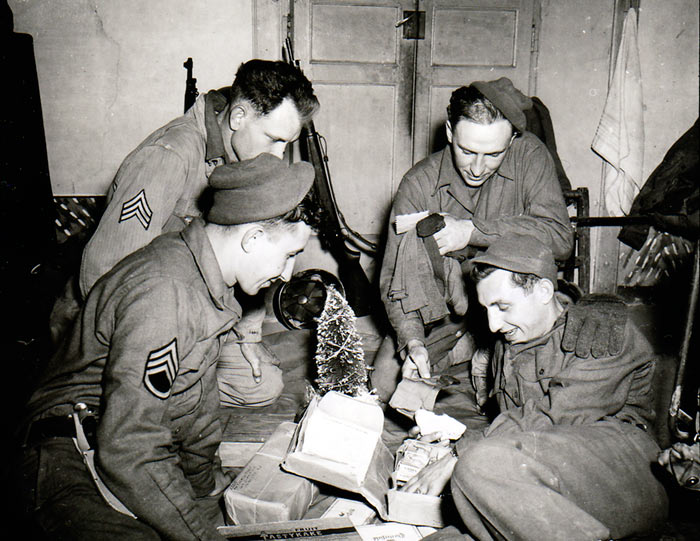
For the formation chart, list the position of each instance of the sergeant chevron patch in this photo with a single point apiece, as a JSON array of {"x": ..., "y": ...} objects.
[
  {"x": 137, "y": 207},
  {"x": 161, "y": 368}
]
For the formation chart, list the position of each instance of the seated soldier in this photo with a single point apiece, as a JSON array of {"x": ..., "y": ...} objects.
[
  {"x": 138, "y": 374},
  {"x": 569, "y": 456},
  {"x": 493, "y": 179}
]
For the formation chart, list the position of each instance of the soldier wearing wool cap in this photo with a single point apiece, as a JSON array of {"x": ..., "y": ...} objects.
[
  {"x": 571, "y": 448},
  {"x": 493, "y": 179},
  {"x": 138, "y": 374}
]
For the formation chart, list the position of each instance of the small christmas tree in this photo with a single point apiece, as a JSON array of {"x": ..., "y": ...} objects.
[{"x": 339, "y": 358}]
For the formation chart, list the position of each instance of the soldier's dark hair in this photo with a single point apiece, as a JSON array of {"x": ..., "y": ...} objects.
[
  {"x": 469, "y": 103},
  {"x": 265, "y": 84},
  {"x": 523, "y": 280},
  {"x": 306, "y": 212}
]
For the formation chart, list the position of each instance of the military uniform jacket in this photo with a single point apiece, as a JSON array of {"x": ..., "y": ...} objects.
[
  {"x": 144, "y": 357},
  {"x": 523, "y": 196},
  {"x": 538, "y": 385},
  {"x": 157, "y": 187}
]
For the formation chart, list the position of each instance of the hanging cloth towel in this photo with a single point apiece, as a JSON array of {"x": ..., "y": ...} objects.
[{"x": 619, "y": 139}]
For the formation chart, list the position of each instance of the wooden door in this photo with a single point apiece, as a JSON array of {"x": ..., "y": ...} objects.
[
  {"x": 465, "y": 41},
  {"x": 361, "y": 70},
  {"x": 383, "y": 97}
]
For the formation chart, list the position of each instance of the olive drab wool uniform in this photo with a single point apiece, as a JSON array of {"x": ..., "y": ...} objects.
[
  {"x": 156, "y": 190},
  {"x": 523, "y": 196},
  {"x": 570, "y": 455},
  {"x": 144, "y": 358}
]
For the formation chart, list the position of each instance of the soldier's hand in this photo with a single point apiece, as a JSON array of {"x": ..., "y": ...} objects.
[
  {"x": 595, "y": 325},
  {"x": 417, "y": 362},
  {"x": 222, "y": 480},
  {"x": 433, "y": 478},
  {"x": 455, "y": 235},
  {"x": 256, "y": 353}
]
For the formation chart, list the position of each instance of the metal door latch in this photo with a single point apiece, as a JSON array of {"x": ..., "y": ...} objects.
[{"x": 413, "y": 23}]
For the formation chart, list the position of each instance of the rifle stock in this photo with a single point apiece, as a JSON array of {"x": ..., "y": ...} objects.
[{"x": 334, "y": 233}]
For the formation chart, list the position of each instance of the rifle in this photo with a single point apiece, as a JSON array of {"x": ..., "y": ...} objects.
[
  {"x": 191, "y": 91},
  {"x": 334, "y": 233}
]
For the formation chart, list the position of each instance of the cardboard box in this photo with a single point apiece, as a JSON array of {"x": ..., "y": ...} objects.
[
  {"x": 356, "y": 511},
  {"x": 338, "y": 442},
  {"x": 318, "y": 528},
  {"x": 236, "y": 454},
  {"x": 417, "y": 509},
  {"x": 263, "y": 492},
  {"x": 393, "y": 531}
]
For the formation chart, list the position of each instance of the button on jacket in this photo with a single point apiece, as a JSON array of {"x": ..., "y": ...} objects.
[
  {"x": 569, "y": 455},
  {"x": 523, "y": 196},
  {"x": 537, "y": 385},
  {"x": 144, "y": 356}
]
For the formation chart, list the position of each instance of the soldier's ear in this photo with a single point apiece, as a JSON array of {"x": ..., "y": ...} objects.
[
  {"x": 237, "y": 116},
  {"x": 252, "y": 237},
  {"x": 544, "y": 289},
  {"x": 448, "y": 131}
]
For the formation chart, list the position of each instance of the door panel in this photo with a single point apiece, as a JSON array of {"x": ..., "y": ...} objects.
[
  {"x": 361, "y": 70},
  {"x": 384, "y": 98},
  {"x": 467, "y": 40}
]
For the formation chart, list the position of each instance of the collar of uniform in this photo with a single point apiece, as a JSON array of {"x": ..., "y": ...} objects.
[
  {"x": 215, "y": 102},
  {"x": 198, "y": 243},
  {"x": 516, "y": 349},
  {"x": 507, "y": 167},
  {"x": 449, "y": 178}
]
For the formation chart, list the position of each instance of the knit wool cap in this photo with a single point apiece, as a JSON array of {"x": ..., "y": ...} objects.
[
  {"x": 257, "y": 189},
  {"x": 507, "y": 99},
  {"x": 521, "y": 253}
]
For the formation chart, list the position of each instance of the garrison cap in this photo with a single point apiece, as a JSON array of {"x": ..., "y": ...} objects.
[
  {"x": 521, "y": 253},
  {"x": 508, "y": 99},
  {"x": 257, "y": 189}
]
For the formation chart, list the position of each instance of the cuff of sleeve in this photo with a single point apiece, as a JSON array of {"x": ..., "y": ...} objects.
[
  {"x": 409, "y": 330},
  {"x": 249, "y": 336},
  {"x": 480, "y": 236}
]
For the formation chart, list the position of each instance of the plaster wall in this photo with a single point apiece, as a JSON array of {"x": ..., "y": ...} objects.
[{"x": 111, "y": 72}]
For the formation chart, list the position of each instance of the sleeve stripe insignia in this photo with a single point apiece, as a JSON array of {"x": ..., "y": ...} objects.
[
  {"x": 161, "y": 368},
  {"x": 137, "y": 207}
]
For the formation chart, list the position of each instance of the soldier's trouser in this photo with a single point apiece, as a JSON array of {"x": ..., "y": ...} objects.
[
  {"x": 61, "y": 498},
  {"x": 566, "y": 482},
  {"x": 237, "y": 388},
  {"x": 448, "y": 344}
]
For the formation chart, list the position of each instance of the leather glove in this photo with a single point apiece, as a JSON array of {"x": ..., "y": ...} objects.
[{"x": 595, "y": 325}]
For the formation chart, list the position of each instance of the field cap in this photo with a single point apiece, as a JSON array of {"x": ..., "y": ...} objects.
[
  {"x": 507, "y": 99},
  {"x": 257, "y": 189},
  {"x": 521, "y": 253}
]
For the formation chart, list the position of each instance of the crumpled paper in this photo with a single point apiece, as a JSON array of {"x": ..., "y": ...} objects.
[{"x": 432, "y": 423}]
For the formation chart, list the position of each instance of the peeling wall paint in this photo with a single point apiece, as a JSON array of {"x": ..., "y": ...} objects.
[{"x": 111, "y": 72}]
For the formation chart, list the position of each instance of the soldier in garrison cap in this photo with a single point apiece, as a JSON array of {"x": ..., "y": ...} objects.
[
  {"x": 137, "y": 375},
  {"x": 571, "y": 450},
  {"x": 494, "y": 178},
  {"x": 158, "y": 187}
]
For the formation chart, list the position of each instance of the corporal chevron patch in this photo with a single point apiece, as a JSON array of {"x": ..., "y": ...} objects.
[
  {"x": 161, "y": 368},
  {"x": 137, "y": 207}
]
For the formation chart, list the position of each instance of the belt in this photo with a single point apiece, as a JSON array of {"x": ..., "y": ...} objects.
[{"x": 60, "y": 427}]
